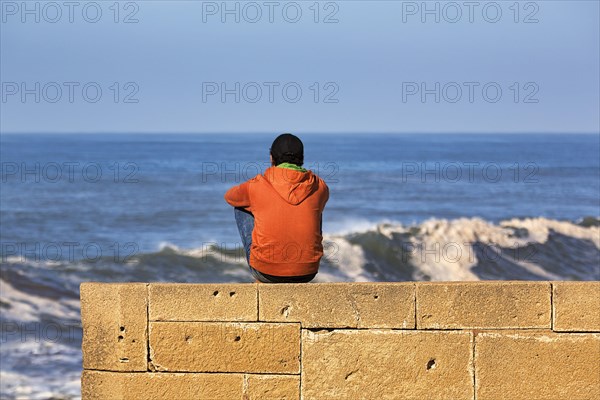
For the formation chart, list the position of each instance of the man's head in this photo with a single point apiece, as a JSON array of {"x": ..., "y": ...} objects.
[{"x": 287, "y": 148}]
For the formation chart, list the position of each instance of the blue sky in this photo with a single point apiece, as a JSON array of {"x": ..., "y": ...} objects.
[{"x": 361, "y": 66}]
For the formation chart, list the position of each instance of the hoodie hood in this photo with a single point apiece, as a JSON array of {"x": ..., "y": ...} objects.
[{"x": 292, "y": 185}]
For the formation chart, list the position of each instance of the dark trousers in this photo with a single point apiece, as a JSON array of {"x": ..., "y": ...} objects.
[{"x": 245, "y": 224}]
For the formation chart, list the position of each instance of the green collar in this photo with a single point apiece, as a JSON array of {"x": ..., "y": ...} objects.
[{"x": 291, "y": 166}]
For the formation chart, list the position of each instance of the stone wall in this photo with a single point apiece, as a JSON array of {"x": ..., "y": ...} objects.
[{"x": 425, "y": 341}]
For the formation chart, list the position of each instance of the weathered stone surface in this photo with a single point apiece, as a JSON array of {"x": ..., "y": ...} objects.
[
  {"x": 386, "y": 364},
  {"x": 273, "y": 387},
  {"x": 114, "y": 318},
  {"x": 193, "y": 332},
  {"x": 526, "y": 365},
  {"x": 480, "y": 305},
  {"x": 339, "y": 305},
  {"x": 203, "y": 302},
  {"x": 100, "y": 385},
  {"x": 225, "y": 347},
  {"x": 576, "y": 306}
]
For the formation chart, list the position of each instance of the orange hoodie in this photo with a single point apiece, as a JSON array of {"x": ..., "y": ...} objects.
[{"x": 287, "y": 205}]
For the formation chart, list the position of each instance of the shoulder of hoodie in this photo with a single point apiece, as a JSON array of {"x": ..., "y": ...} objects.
[{"x": 322, "y": 184}]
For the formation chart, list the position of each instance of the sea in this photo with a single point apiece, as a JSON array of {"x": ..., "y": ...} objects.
[{"x": 150, "y": 208}]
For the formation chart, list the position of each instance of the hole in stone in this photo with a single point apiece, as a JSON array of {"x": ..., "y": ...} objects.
[
  {"x": 124, "y": 360},
  {"x": 376, "y": 297},
  {"x": 231, "y": 294},
  {"x": 188, "y": 339},
  {"x": 349, "y": 374},
  {"x": 285, "y": 311},
  {"x": 431, "y": 364},
  {"x": 122, "y": 329},
  {"x": 237, "y": 338},
  {"x": 133, "y": 341},
  {"x": 216, "y": 293},
  {"x": 120, "y": 338}
]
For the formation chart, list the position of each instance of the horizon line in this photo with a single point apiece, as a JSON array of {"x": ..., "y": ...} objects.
[{"x": 303, "y": 133}]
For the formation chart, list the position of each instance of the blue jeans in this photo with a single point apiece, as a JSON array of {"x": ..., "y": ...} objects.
[{"x": 245, "y": 224}]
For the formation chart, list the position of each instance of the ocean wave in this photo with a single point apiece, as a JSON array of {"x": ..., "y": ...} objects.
[
  {"x": 435, "y": 249},
  {"x": 475, "y": 249}
]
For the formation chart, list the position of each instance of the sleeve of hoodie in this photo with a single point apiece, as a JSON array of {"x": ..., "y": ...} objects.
[
  {"x": 239, "y": 196},
  {"x": 325, "y": 197}
]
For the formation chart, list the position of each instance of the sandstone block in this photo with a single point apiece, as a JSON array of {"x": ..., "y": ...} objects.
[
  {"x": 526, "y": 365},
  {"x": 272, "y": 387},
  {"x": 480, "y": 305},
  {"x": 202, "y": 302},
  {"x": 339, "y": 305},
  {"x": 576, "y": 306},
  {"x": 100, "y": 385},
  {"x": 386, "y": 364},
  {"x": 225, "y": 347},
  {"x": 115, "y": 319}
]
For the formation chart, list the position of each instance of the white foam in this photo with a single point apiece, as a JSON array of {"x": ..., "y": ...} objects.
[
  {"x": 539, "y": 229},
  {"x": 168, "y": 246},
  {"x": 25, "y": 387},
  {"x": 33, "y": 356},
  {"x": 442, "y": 250},
  {"x": 26, "y": 307},
  {"x": 347, "y": 261}
]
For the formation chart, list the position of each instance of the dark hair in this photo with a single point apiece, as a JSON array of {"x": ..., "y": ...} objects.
[
  {"x": 287, "y": 148},
  {"x": 288, "y": 158}
]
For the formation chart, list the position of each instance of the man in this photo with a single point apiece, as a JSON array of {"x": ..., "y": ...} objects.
[{"x": 279, "y": 216}]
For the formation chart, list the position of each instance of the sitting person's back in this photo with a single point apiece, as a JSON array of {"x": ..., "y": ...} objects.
[{"x": 279, "y": 216}]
